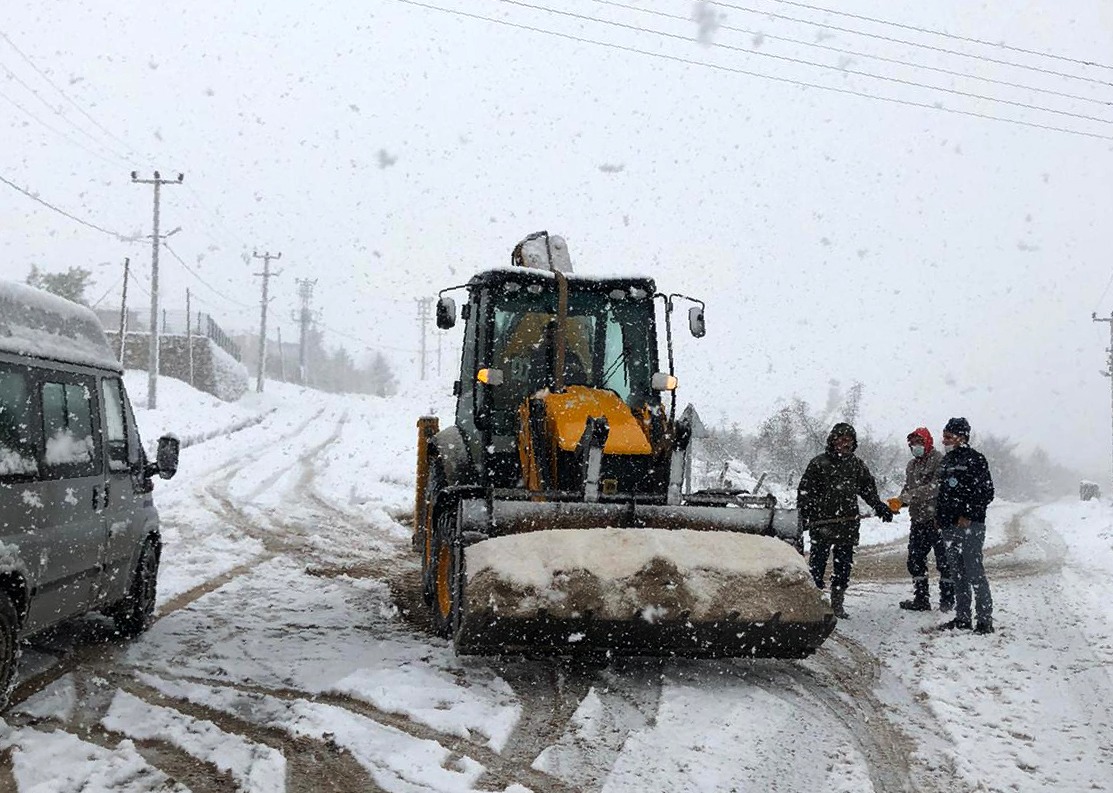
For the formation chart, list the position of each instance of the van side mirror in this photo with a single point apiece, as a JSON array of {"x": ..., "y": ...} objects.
[
  {"x": 695, "y": 322},
  {"x": 446, "y": 313},
  {"x": 166, "y": 457}
]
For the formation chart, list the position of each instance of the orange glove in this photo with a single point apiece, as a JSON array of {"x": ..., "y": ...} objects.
[{"x": 895, "y": 504}]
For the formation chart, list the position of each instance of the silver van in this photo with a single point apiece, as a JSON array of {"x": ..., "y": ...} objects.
[{"x": 78, "y": 526}]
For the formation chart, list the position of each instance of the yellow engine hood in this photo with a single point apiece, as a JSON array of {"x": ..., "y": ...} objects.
[{"x": 568, "y": 413}]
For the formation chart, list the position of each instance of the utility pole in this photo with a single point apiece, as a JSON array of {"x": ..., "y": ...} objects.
[
  {"x": 124, "y": 308},
  {"x": 189, "y": 335},
  {"x": 304, "y": 317},
  {"x": 423, "y": 304},
  {"x": 152, "y": 356},
  {"x": 266, "y": 275},
  {"x": 440, "y": 335},
  {"x": 1108, "y": 370}
]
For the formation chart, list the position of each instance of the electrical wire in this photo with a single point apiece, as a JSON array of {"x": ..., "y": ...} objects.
[
  {"x": 106, "y": 293},
  {"x": 870, "y": 56},
  {"x": 967, "y": 39},
  {"x": 908, "y": 43},
  {"x": 201, "y": 280},
  {"x": 48, "y": 205},
  {"x": 56, "y": 131},
  {"x": 65, "y": 96},
  {"x": 365, "y": 344},
  {"x": 20, "y": 81},
  {"x": 760, "y": 75},
  {"x": 814, "y": 64}
]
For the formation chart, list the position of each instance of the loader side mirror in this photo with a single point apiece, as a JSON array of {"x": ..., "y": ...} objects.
[
  {"x": 695, "y": 322},
  {"x": 663, "y": 381},
  {"x": 446, "y": 313}
]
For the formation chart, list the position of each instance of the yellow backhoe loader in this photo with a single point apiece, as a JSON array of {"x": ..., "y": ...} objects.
[{"x": 551, "y": 516}]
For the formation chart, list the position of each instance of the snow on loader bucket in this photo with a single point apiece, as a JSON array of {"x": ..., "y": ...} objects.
[{"x": 553, "y": 517}]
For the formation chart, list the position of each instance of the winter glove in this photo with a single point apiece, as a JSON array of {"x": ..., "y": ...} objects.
[{"x": 884, "y": 513}]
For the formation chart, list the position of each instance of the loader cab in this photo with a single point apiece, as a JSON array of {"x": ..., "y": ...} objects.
[{"x": 610, "y": 344}]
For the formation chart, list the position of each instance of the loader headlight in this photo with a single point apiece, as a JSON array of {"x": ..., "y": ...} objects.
[
  {"x": 662, "y": 381},
  {"x": 489, "y": 376}
]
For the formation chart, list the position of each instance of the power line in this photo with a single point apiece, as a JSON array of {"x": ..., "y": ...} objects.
[
  {"x": 201, "y": 280},
  {"x": 64, "y": 213},
  {"x": 907, "y": 43},
  {"x": 57, "y": 132},
  {"x": 64, "y": 95},
  {"x": 814, "y": 64},
  {"x": 20, "y": 81},
  {"x": 860, "y": 54},
  {"x": 947, "y": 35},
  {"x": 367, "y": 345},
  {"x": 760, "y": 75}
]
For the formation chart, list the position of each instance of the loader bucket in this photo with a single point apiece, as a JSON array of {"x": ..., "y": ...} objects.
[{"x": 640, "y": 591}]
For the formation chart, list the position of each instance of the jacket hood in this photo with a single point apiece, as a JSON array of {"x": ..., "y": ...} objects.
[
  {"x": 925, "y": 436},
  {"x": 839, "y": 430}
]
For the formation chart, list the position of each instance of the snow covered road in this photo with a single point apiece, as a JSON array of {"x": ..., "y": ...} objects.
[{"x": 290, "y": 654}]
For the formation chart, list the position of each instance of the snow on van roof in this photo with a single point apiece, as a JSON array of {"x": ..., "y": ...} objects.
[{"x": 41, "y": 325}]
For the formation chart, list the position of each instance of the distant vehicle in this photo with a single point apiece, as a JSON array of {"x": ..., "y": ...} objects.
[{"x": 78, "y": 526}]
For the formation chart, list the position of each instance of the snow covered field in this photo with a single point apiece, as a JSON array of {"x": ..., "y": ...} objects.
[{"x": 289, "y": 653}]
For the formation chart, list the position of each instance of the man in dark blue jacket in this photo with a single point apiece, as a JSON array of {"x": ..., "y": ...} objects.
[{"x": 965, "y": 490}]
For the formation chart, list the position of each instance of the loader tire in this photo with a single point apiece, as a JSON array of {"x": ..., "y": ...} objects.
[{"x": 447, "y": 569}]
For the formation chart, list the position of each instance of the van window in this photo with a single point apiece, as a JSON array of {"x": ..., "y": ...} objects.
[
  {"x": 71, "y": 440},
  {"x": 18, "y": 457},
  {"x": 116, "y": 436}
]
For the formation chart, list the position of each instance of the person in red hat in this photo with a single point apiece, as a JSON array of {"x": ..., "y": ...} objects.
[{"x": 921, "y": 489}]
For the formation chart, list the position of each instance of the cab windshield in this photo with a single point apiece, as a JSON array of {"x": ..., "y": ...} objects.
[{"x": 609, "y": 343}]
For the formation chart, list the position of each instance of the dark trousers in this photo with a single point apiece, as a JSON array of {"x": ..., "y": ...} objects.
[
  {"x": 923, "y": 539},
  {"x": 964, "y": 552},
  {"x": 843, "y": 563}
]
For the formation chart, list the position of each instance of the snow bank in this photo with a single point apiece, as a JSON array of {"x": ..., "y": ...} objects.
[
  {"x": 42, "y": 325},
  {"x": 655, "y": 574},
  {"x": 230, "y": 378}
]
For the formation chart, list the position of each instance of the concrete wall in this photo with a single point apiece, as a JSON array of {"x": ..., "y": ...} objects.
[{"x": 214, "y": 371}]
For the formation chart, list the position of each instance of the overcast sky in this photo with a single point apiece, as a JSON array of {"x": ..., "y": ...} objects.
[{"x": 949, "y": 262}]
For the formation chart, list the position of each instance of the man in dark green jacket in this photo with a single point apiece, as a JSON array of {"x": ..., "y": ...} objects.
[{"x": 827, "y": 498}]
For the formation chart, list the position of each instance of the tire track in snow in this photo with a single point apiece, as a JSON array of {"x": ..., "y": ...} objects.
[{"x": 887, "y": 562}]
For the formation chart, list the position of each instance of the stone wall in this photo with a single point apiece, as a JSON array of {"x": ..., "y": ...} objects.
[{"x": 214, "y": 371}]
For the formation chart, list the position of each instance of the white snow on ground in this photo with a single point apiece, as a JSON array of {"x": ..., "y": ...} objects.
[
  {"x": 57, "y": 762},
  {"x": 252, "y": 766},
  {"x": 312, "y": 643}
]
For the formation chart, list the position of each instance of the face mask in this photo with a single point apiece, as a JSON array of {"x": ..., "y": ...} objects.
[{"x": 917, "y": 451}]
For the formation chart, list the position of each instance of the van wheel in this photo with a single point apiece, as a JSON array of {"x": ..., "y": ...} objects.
[
  {"x": 135, "y": 612},
  {"x": 9, "y": 648}
]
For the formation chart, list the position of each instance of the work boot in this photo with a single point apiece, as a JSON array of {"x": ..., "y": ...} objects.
[
  {"x": 955, "y": 624},
  {"x": 921, "y": 600},
  {"x": 984, "y": 626},
  {"x": 946, "y": 595},
  {"x": 916, "y": 605},
  {"x": 836, "y": 604}
]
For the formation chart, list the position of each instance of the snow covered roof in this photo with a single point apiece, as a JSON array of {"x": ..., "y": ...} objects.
[
  {"x": 42, "y": 325},
  {"x": 575, "y": 280}
]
